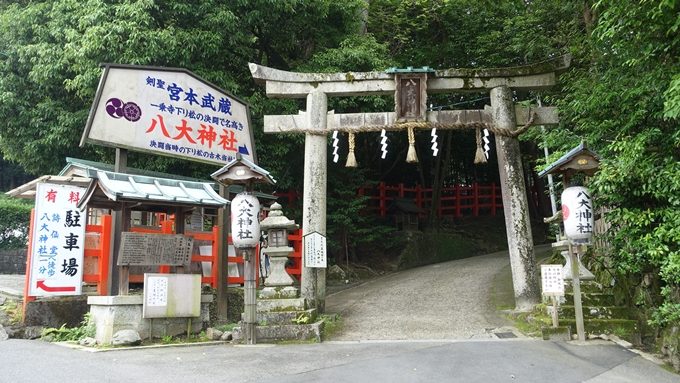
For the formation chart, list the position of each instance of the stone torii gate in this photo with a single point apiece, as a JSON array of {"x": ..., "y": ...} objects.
[{"x": 502, "y": 118}]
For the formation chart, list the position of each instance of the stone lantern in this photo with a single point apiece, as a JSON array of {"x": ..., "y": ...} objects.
[{"x": 278, "y": 284}]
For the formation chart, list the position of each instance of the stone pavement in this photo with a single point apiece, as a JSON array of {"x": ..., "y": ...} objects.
[{"x": 448, "y": 300}]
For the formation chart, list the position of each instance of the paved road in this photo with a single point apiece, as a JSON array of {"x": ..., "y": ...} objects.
[
  {"x": 442, "y": 301},
  {"x": 518, "y": 360}
]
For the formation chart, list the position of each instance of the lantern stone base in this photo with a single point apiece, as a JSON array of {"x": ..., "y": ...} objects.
[
  {"x": 282, "y": 316},
  {"x": 279, "y": 292}
]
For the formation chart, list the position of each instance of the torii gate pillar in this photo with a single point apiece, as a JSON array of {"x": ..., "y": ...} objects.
[
  {"x": 313, "y": 284},
  {"x": 515, "y": 205}
]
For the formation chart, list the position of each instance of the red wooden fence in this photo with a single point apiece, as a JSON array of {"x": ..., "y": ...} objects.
[{"x": 457, "y": 200}]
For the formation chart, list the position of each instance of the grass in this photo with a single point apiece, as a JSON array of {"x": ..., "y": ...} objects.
[
  {"x": 332, "y": 324},
  {"x": 14, "y": 311}
]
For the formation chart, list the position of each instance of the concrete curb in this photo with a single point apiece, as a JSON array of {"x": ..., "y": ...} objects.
[
  {"x": 627, "y": 345},
  {"x": 76, "y": 346}
]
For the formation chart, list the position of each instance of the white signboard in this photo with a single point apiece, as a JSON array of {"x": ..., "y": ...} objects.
[
  {"x": 577, "y": 214},
  {"x": 552, "y": 281},
  {"x": 245, "y": 221},
  {"x": 169, "y": 112},
  {"x": 314, "y": 248},
  {"x": 156, "y": 291},
  {"x": 58, "y": 241},
  {"x": 171, "y": 296}
]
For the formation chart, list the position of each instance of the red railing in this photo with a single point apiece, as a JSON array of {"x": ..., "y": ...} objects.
[
  {"x": 457, "y": 200},
  {"x": 99, "y": 253}
]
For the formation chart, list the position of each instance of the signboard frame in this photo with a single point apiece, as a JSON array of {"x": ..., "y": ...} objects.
[
  {"x": 44, "y": 248},
  {"x": 171, "y": 296},
  {"x": 109, "y": 67},
  {"x": 315, "y": 243},
  {"x": 548, "y": 285}
]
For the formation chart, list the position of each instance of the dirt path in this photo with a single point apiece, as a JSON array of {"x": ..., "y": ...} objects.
[{"x": 443, "y": 301}]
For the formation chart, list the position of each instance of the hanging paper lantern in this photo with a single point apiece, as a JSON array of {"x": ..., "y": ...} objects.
[
  {"x": 577, "y": 214},
  {"x": 245, "y": 221}
]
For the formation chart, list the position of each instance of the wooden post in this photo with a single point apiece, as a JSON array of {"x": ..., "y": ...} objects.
[
  {"x": 515, "y": 205},
  {"x": 249, "y": 295},
  {"x": 555, "y": 317},
  {"x": 313, "y": 285},
  {"x": 222, "y": 265},
  {"x": 576, "y": 286},
  {"x": 123, "y": 271},
  {"x": 179, "y": 229},
  {"x": 120, "y": 166}
]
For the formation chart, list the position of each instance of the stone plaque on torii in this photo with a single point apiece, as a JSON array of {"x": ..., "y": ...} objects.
[{"x": 410, "y": 90}]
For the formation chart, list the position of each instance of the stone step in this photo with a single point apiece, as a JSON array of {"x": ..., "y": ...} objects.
[
  {"x": 594, "y": 312},
  {"x": 624, "y": 328},
  {"x": 290, "y": 304},
  {"x": 290, "y": 332},
  {"x": 286, "y": 317},
  {"x": 591, "y": 299},
  {"x": 586, "y": 286}
]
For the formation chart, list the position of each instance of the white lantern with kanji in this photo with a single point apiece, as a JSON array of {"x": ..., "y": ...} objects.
[
  {"x": 245, "y": 224},
  {"x": 577, "y": 214}
]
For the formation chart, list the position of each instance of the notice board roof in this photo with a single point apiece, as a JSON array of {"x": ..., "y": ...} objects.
[
  {"x": 109, "y": 189},
  {"x": 579, "y": 158},
  {"x": 27, "y": 190}
]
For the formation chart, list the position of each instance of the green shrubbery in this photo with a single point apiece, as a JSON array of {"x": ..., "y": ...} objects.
[{"x": 15, "y": 216}]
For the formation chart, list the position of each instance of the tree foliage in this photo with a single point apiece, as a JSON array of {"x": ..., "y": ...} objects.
[
  {"x": 15, "y": 217},
  {"x": 622, "y": 98}
]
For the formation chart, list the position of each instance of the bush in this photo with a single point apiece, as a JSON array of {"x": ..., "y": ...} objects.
[{"x": 15, "y": 216}]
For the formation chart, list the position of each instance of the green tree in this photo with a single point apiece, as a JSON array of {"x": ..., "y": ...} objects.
[
  {"x": 622, "y": 97},
  {"x": 50, "y": 69}
]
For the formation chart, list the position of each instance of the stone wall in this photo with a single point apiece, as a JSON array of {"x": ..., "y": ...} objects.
[{"x": 13, "y": 261}]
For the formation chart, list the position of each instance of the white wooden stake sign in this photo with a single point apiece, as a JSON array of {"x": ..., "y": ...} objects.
[
  {"x": 552, "y": 285},
  {"x": 314, "y": 245}
]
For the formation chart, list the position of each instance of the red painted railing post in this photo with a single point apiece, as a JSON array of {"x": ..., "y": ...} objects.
[
  {"x": 457, "y": 194},
  {"x": 419, "y": 197},
  {"x": 27, "y": 281},
  {"x": 475, "y": 200},
  {"x": 383, "y": 198},
  {"x": 215, "y": 254},
  {"x": 493, "y": 199},
  {"x": 104, "y": 255}
]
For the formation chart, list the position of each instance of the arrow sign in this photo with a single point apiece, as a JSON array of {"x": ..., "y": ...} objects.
[{"x": 42, "y": 285}]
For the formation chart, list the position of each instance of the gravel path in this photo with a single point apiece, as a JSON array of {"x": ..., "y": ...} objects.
[{"x": 442, "y": 301}]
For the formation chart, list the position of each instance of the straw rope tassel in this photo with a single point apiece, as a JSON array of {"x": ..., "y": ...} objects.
[
  {"x": 480, "y": 158},
  {"x": 351, "y": 159},
  {"x": 411, "y": 157}
]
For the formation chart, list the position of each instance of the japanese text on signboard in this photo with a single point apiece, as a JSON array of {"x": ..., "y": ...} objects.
[
  {"x": 169, "y": 112},
  {"x": 58, "y": 241},
  {"x": 552, "y": 280},
  {"x": 245, "y": 224}
]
